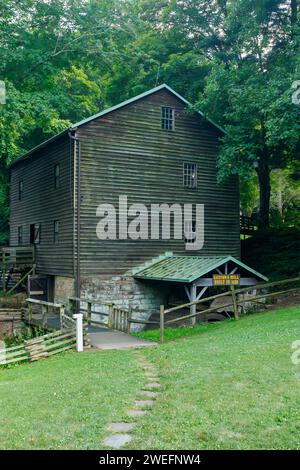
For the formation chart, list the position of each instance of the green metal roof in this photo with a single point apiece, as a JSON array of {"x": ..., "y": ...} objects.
[
  {"x": 186, "y": 269},
  {"x": 109, "y": 110}
]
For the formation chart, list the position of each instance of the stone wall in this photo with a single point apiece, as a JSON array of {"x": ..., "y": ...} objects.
[
  {"x": 63, "y": 288},
  {"x": 142, "y": 298}
]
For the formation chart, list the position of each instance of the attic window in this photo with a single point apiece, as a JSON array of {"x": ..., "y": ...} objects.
[
  {"x": 167, "y": 118},
  {"x": 190, "y": 175}
]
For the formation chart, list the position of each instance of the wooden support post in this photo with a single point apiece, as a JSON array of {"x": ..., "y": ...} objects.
[
  {"x": 29, "y": 313},
  {"x": 89, "y": 312},
  {"x": 234, "y": 302},
  {"x": 44, "y": 315},
  {"x": 79, "y": 332},
  {"x": 110, "y": 316},
  {"x": 162, "y": 323},
  {"x": 72, "y": 306},
  {"x": 61, "y": 313},
  {"x": 193, "y": 298},
  {"x": 129, "y": 317}
]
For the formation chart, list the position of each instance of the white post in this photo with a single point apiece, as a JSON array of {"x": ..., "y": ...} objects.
[
  {"x": 193, "y": 308},
  {"x": 79, "y": 332}
]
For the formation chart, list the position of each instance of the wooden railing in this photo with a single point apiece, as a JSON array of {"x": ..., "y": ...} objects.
[
  {"x": 40, "y": 347},
  {"x": 40, "y": 317},
  {"x": 75, "y": 305},
  {"x": 18, "y": 255},
  {"x": 116, "y": 318},
  {"x": 120, "y": 319},
  {"x": 247, "y": 225},
  {"x": 234, "y": 302}
]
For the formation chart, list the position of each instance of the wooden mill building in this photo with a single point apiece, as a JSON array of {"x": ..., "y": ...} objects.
[{"x": 153, "y": 149}]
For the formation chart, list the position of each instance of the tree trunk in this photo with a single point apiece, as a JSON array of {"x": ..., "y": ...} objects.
[
  {"x": 294, "y": 11},
  {"x": 263, "y": 172}
]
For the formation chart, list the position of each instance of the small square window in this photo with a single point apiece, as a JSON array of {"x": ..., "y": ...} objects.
[
  {"x": 57, "y": 176},
  {"x": 20, "y": 235},
  {"x": 35, "y": 234},
  {"x": 20, "y": 190},
  {"x": 190, "y": 175},
  {"x": 56, "y": 231},
  {"x": 167, "y": 118}
]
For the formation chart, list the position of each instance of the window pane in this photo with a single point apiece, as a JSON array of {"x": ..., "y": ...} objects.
[
  {"x": 167, "y": 118},
  {"x": 190, "y": 175}
]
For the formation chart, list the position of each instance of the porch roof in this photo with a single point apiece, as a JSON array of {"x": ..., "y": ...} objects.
[{"x": 186, "y": 269}]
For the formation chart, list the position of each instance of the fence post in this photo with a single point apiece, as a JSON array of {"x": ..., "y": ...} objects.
[
  {"x": 72, "y": 306},
  {"x": 89, "y": 312},
  {"x": 110, "y": 316},
  {"x": 61, "y": 313},
  {"x": 44, "y": 315},
  {"x": 79, "y": 332},
  {"x": 162, "y": 323},
  {"x": 29, "y": 312},
  {"x": 235, "y": 306},
  {"x": 129, "y": 316}
]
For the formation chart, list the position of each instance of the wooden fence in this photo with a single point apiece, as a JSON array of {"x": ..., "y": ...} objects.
[
  {"x": 116, "y": 318},
  {"x": 40, "y": 347},
  {"x": 234, "y": 302}
]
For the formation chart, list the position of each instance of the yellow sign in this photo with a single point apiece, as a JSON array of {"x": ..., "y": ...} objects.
[{"x": 226, "y": 279}]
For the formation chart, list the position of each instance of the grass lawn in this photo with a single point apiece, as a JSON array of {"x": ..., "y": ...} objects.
[
  {"x": 65, "y": 402},
  {"x": 229, "y": 385}
]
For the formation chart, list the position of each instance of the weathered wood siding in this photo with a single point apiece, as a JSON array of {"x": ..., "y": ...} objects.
[
  {"x": 43, "y": 204},
  {"x": 127, "y": 153}
]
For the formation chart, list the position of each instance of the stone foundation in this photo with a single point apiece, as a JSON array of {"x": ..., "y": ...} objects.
[
  {"x": 141, "y": 298},
  {"x": 63, "y": 289}
]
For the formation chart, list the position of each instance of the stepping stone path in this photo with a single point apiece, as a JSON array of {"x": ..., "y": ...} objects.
[{"x": 120, "y": 436}]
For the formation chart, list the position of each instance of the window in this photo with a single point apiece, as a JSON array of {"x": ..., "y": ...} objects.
[
  {"x": 20, "y": 235},
  {"x": 56, "y": 231},
  {"x": 35, "y": 234},
  {"x": 190, "y": 175},
  {"x": 20, "y": 190},
  {"x": 57, "y": 176},
  {"x": 167, "y": 118}
]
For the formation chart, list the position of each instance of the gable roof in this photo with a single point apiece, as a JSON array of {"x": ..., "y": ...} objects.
[
  {"x": 186, "y": 269},
  {"x": 109, "y": 110}
]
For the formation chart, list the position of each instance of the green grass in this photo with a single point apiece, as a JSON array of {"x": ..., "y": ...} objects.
[
  {"x": 66, "y": 402},
  {"x": 231, "y": 386}
]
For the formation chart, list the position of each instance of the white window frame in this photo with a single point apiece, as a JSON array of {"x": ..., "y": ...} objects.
[
  {"x": 167, "y": 118},
  {"x": 190, "y": 175}
]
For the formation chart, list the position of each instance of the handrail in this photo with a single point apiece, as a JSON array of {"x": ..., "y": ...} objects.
[
  {"x": 44, "y": 302},
  {"x": 92, "y": 301},
  {"x": 237, "y": 291}
]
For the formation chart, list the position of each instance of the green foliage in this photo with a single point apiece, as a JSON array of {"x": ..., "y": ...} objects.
[
  {"x": 274, "y": 252},
  {"x": 63, "y": 60}
]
